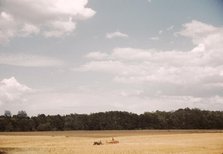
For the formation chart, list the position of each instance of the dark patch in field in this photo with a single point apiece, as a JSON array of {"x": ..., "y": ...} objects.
[
  {"x": 2, "y": 152},
  {"x": 7, "y": 150}
]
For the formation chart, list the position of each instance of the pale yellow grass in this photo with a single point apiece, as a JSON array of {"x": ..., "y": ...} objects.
[{"x": 131, "y": 142}]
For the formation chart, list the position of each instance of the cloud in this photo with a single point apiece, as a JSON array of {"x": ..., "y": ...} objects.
[
  {"x": 138, "y": 80},
  {"x": 11, "y": 91},
  {"x": 205, "y": 34},
  {"x": 58, "y": 19},
  {"x": 160, "y": 32},
  {"x": 170, "y": 28},
  {"x": 130, "y": 54},
  {"x": 155, "y": 38},
  {"x": 195, "y": 29},
  {"x": 29, "y": 29},
  {"x": 92, "y": 99},
  {"x": 104, "y": 66},
  {"x": 116, "y": 34},
  {"x": 196, "y": 73},
  {"x": 97, "y": 55},
  {"x": 28, "y": 60}
]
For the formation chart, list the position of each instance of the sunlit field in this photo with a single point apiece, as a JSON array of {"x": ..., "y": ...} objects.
[{"x": 130, "y": 142}]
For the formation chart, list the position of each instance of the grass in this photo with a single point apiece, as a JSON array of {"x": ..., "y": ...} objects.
[{"x": 131, "y": 142}]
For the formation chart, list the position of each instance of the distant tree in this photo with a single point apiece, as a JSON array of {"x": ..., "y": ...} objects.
[
  {"x": 56, "y": 122},
  {"x": 6, "y": 124},
  {"x": 68, "y": 122},
  {"x": 7, "y": 113},
  {"x": 22, "y": 122},
  {"x": 114, "y": 120},
  {"x": 22, "y": 114},
  {"x": 44, "y": 127}
]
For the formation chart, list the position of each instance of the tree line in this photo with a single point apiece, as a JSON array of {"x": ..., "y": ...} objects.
[{"x": 114, "y": 120}]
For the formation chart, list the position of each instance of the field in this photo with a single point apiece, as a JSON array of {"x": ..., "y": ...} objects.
[{"x": 130, "y": 142}]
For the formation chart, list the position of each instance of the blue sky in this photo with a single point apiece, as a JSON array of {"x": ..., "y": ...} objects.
[{"x": 90, "y": 56}]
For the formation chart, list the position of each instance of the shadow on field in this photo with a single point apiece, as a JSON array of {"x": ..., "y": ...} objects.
[
  {"x": 8, "y": 150},
  {"x": 2, "y": 152}
]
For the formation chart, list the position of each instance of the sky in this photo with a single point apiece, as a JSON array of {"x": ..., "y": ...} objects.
[{"x": 85, "y": 56}]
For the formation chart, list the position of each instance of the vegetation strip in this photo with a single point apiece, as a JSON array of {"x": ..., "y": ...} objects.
[{"x": 114, "y": 120}]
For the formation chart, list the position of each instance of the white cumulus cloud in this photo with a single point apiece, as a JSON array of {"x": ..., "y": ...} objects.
[
  {"x": 155, "y": 38},
  {"x": 196, "y": 73},
  {"x": 11, "y": 91},
  {"x": 50, "y": 18},
  {"x": 97, "y": 55},
  {"x": 116, "y": 34}
]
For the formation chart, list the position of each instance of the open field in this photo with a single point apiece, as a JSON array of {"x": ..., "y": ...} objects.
[{"x": 130, "y": 142}]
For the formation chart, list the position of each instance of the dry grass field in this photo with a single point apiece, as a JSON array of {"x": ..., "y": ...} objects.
[{"x": 130, "y": 142}]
